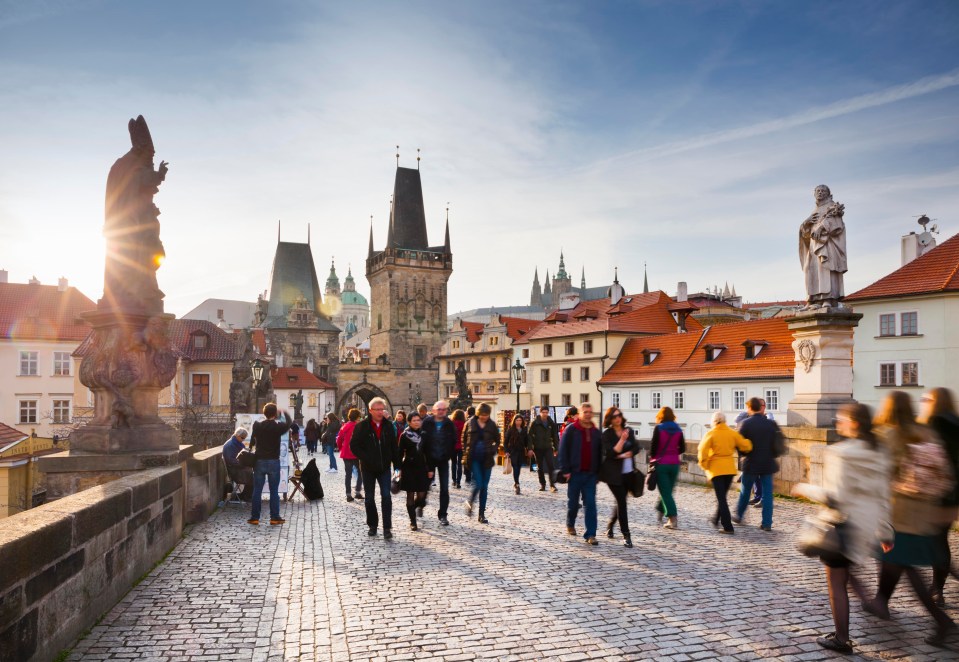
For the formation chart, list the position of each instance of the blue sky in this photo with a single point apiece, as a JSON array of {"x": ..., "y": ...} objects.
[{"x": 688, "y": 136}]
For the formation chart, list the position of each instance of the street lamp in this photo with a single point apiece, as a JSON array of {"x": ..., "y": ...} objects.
[
  {"x": 517, "y": 378},
  {"x": 256, "y": 367}
]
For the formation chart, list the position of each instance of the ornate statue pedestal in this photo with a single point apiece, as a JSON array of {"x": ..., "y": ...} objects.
[{"x": 823, "y": 373}]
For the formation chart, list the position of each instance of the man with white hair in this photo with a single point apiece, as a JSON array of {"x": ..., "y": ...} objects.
[
  {"x": 238, "y": 474},
  {"x": 439, "y": 437},
  {"x": 374, "y": 444}
]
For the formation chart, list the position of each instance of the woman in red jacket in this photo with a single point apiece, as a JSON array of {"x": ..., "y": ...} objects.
[{"x": 349, "y": 460}]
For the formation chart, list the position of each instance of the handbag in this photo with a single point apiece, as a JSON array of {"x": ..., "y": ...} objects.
[
  {"x": 246, "y": 459},
  {"x": 823, "y": 536},
  {"x": 637, "y": 481},
  {"x": 395, "y": 484},
  {"x": 652, "y": 480}
]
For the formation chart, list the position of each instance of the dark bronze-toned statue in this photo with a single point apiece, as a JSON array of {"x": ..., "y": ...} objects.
[
  {"x": 132, "y": 227},
  {"x": 298, "y": 405},
  {"x": 464, "y": 396}
]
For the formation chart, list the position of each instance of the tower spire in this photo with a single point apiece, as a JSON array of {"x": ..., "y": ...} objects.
[
  {"x": 307, "y": 233},
  {"x": 447, "y": 242},
  {"x": 278, "y": 231},
  {"x": 645, "y": 280},
  {"x": 397, "y": 156},
  {"x": 418, "y": 159},
  {"x": 582, "y": 283},
  {"x": 371, "y": 236}
]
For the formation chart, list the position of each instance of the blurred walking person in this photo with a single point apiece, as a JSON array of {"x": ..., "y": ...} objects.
[
  {"x": 544, "y": 438},
  {"x": 717, "y": 459},
  {"x": 617, "y": 469},
  {"x": 329, "y": 439},
  {"x": 414, "y": 466},
  {"x": 439, "y": 434},
  {"x": 350, "y": 464},
  {"x": 311, "y": 433},
  {"x": 855, "y": 493},
  {"x": 481, "y": 441},
  {"x": 759, "y": 464},
  {"x": 580, "y": 457},
  {"x": 374, "y": 444},
  {"x": 939, "y": 413},
  {"x": 665, "y": 454},
  {"x": 456, "y": 464},
  {"x": 517, "y": 447}
]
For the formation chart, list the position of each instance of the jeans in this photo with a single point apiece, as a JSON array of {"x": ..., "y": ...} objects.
[
  {"x": 456, "y": 467},
  {"x": 330, "y": 450},
  {"x": 468, "y": 472},
  {"x": 721, "y": 487},
  {"x": 348, "y": 467},
  {"x": 443, "y": 469},
  {"x": 758, "y": 489},
  {"x": 666, "y": 475},
  {"x": 747, "y": 486},
  {"x": 481, "y": 476},
  {"x": 619, "y": 510},
  {"x": 370, "y": 481},
  {"x": 517, "y": 468},
  {"x": 582, "y": 484},
  {"x": 266, "y": 470},
  {"x": 544, "y": 460}
]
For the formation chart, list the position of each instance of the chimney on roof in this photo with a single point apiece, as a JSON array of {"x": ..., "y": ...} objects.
[
  {"x": 4, "y": 276},
  {"x": 33, "y": 281},
  {"x": 62, "y": 284},
  {"x": 682, "y": 292},
  {"x": 568, "y": 300},
  {"x": 915, "y": 245}
]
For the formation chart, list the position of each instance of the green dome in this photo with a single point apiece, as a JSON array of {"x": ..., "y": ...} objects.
[{"x": 353, "y": 298}]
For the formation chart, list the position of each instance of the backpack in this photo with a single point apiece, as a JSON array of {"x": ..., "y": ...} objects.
[{"x": 925, "y": 472}]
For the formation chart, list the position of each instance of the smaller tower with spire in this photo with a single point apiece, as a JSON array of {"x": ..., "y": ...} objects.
[{"x": 536, "y": 295}]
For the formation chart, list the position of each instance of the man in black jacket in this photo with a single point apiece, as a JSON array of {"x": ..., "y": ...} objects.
[
  {"x": 265, "y": 442},
  {"x": 374, "y": 444},
  {"x": 439, "y": 436},
  {"x": 545, "y": 440},
  {"x": 760, "y": 463}
]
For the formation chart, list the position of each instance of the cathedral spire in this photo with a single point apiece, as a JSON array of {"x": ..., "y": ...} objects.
[
  {"x": 582, "y": 282},
  {"x": 371, "y": 237},
  {"x": 645, "y": 280},
  {"x": 446, "y": 245},
  {"x": 561, "y": 274},
  {"x": 536, "y": 294}
]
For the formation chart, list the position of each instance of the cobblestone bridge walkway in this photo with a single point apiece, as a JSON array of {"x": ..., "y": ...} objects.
[{"x": 518, "y": 588}]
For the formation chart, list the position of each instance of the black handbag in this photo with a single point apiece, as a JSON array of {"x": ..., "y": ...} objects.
[
  {"x": 246, "y": 459},
  {"x": 652, "y": 481},
  {"x": 823, "y": 536},
  {"x": 637, "y": 481}
]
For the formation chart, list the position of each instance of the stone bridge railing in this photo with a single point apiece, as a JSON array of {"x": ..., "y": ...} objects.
[{"x": 66, "y": 563}]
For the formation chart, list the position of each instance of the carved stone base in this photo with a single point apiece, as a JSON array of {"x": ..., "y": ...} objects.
[
  {"x": 158, "y": 438},
  {"x": 73, "y": 471},
  {"x": 823, "y": 373}
]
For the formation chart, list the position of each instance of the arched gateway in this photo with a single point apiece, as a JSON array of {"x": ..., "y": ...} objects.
[{"x": 361, "y": 393}]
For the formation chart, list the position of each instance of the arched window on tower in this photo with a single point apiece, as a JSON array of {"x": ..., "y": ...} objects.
[{"x": 402, "y": 314}]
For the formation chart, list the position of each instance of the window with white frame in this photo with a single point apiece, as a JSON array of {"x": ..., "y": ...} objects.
[
  {"x": 28, "y": 411},
  {"x": 634, "y": 400},
  {"x": 61, "y": 364},
  {"x": 887, "y": 374},
  {"x": 910, "y": 373},
  {"x": 566, "y": 400},
  {"x": 569, "y": 348},
  {"x": 494, "y": 341},
  {"x": 544, "y": 375},
  {"x": 713, "y": 400},
  {"x": 614, "y": 398},
  {"x": 544, "y": 400},
  {"x": 28, "y": 364},
  {"x": 61, "y": 412},
  {"x": 899, "y": 373},
  {"x": 679, "y": 399},
  {"x": 587, "y": 347},
  {"x": 584, "y": 397},
  {"x": 525, "y": 353},
  {"x": 584, "y": 374},
  {"x": 739, "y": 399},
  {"x": 200, "y": 388},
  {"x": 656, "y": 400},
  {"x": 449, "y": 390},
  {"x": 909, "y": 324},
  {"x": 567, "y": 374},
  {"x": 887, "y": 324},
  {"x": 772, "y": 399},
  {"x": 548, "y": 349}
]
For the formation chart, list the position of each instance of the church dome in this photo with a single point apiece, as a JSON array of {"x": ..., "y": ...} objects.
[{"x": 354, "y": 298}]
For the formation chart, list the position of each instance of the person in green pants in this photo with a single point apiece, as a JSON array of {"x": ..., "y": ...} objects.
[{"x": 666, "y": 453}]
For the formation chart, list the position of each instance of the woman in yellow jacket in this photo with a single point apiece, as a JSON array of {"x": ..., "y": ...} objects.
[{"x": 716, "y": 458}]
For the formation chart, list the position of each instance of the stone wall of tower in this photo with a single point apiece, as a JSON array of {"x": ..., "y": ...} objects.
[{"x": 303, "y": 347}]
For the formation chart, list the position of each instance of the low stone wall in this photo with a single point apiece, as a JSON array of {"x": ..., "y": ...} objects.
[
  {"x": 67, "y": 562},
  {"x": 206, "y": 478}
]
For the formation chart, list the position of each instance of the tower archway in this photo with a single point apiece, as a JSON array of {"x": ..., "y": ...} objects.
[{"x": 359, "y": 396}]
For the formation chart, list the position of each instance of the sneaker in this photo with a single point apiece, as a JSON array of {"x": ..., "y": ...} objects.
[
  {"x": 333, "y": 470},
  {"x": 736, "y": 519},
  {"x": 571, "y": 530},
  {"x": 830, "y": 642},
  {"x": 609, "y": 532},
  {"x": 592, "y": 541},
  {"x": 349, "y": 498},
  {"x": 387, "y": 534},
  {"x": 756, "y": 505},
  {"x": 277, "y": 521},
  {"x": 444, "y": 521},
  {"x": 627, "y": 543},
  {"x": 254, "y": 522},
  {"x": 727, "y": 531},
  {"x": 766, "y": 528},
  {"x": 469, "y": 508},
  {"x": 755, "y": 501}
]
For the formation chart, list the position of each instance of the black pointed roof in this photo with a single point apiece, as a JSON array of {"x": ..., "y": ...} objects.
[
  {"x": 294, "y": 275},
  {"x": 408, "y": 217}
]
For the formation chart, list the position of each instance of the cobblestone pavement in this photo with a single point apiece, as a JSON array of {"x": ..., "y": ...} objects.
[{"x": 518, "y": 588}]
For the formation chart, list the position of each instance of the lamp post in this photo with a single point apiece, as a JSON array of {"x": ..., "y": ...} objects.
[
  {"x": 517, "y": 379},
  {"x": 256, "y": 367}
]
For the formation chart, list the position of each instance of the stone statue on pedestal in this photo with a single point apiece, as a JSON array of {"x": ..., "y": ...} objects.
[
  {"x": 822, "y": 252},
  {"x": 298, "y": 405},
  {"x": 464, "y": 397}
]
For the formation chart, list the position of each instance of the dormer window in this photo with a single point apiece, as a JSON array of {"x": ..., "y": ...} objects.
[
  {"x": 650, "y": 355},
  {"x": 713, "y": 352},
  {"x": 754, "y": 347},
  {"x": 200, "y": 340}
]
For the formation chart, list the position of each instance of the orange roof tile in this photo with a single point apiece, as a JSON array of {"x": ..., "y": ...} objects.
[
  {"x": 682, "y": 356},
  {"x": 220, "y": 345},
  {"x": 42, "y": 312},
  {"x": 297, "y": 378},
  {"x": 258, "y": 337},
  {"x": 936, "y": 271},
  {"x": 9, "y": 435},
  {"x": 517, "y": 327},
  {"x": 473, "y": 330}
]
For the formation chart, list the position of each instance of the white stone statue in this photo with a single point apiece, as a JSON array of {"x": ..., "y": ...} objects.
[{"x": 822, "y": 252}]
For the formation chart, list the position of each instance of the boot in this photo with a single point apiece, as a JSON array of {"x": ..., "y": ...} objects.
[
  {"x": 609, "y": 530},
  {"x": 482, "y": 518},
  {"x": 516, "y": 488}
]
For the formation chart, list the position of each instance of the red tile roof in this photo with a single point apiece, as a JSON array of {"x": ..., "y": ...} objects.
[
  {"x": 473, "y": 330},
  {"x": 936, "y": 271},
  {"x": 769, "y": 304},
  {"x": 42, "y": 312},
  {"x": 9, "y": 435},
  {"x": 682, "y": 356},
  {"x": 258, "y": 336},
  {"x": 650, "y": 315},
  {"x": 221, "y": 346},
  {"x": 297, "y": 378},
  {"x": 518, "y": 327}
]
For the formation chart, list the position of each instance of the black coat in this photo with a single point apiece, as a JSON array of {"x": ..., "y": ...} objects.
[
  {"x": 611, "y": 467},
  {"x": 413, "y": 463},
  {"x": 517, "y": 443},
  {"x": 440, "y": 444},
  {"x": 329, "y": 434},
  {"x": 490, "y": 435},
  {"x": 543, "y": 436},
  {"x": 947, "y": 427},
  {"x": 766, "y": 437},
  {"x": 376, "y": 455},
  {"x": 265, "y": 437}
]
